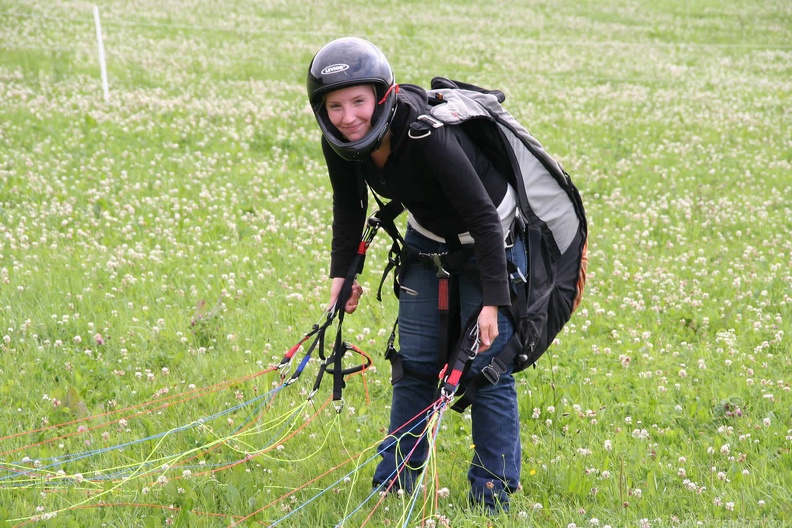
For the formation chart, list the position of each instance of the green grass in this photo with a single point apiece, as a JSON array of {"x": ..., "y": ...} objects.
[{"x": 160, "y": 250}]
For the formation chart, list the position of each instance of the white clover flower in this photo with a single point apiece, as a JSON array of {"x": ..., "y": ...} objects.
[{"x": 641, "y": 434}]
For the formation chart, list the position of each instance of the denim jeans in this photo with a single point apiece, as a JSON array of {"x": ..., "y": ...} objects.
[{"x": 495, "y": 466}]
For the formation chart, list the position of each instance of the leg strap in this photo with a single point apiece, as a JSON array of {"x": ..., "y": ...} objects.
[{"x": 490, "y": 373}]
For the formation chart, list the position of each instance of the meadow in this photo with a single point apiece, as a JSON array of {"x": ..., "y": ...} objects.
[{"x": 160, "y": 250}]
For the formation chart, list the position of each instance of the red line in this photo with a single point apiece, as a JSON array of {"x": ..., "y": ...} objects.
[{"x": 184, "y": 397}]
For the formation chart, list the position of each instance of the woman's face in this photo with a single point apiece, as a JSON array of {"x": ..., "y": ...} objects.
[{"x": 350, "y": 110}]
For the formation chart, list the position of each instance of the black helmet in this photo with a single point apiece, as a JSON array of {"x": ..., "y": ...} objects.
[{"x": 350, "y": 61}]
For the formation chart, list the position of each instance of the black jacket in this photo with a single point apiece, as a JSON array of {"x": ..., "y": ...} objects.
[{"x": 443, "y": 179}]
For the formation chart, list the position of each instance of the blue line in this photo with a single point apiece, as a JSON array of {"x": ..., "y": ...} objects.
[{"x": 60, "y": 461}]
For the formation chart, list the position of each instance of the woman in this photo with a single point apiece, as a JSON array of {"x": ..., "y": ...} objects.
[{"x": 456, "y": 200}]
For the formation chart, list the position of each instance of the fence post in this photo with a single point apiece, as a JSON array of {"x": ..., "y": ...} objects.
[{"x": 100, "y": 45}]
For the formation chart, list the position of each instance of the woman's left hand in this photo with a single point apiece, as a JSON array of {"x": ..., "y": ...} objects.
[{"x": 488, "y": 327}]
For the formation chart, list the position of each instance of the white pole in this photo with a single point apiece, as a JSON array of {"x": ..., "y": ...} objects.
[{"x": 100, "y": 44}]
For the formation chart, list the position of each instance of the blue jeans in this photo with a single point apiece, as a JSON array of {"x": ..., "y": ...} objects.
[{"x": 495, "y": 468}]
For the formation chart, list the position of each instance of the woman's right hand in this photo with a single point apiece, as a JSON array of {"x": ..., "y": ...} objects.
[{"x": 354, "y": 298}]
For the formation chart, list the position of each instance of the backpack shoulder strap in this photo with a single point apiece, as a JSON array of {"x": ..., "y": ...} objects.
[{"x": 439, "y": 83}]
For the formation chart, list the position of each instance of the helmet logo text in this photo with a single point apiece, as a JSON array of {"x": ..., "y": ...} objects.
[{"x": 334, "y": 68}]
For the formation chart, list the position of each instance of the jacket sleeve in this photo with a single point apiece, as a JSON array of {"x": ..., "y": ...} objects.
[
  {"x": 349, "y": 211},
  {"x": 462, "y": 186}
]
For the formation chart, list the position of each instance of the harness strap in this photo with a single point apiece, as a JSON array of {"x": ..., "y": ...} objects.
[
  {"x": 392, "y": 355},
  {"x": 386, "y": 216},
  {"x": 443, "y": 306},
  {"x": 462, "y": 356},
  {"x": 491, "y": 373},
  {"x": 340, "y": 347}
]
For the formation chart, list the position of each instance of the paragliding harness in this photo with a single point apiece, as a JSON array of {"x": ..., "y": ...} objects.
[
  {"x": 550, "y": 220},
  {"x": 333, "y": 364}
]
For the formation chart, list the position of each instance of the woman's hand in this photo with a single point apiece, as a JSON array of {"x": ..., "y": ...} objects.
[
  {"x": 354, "y": 297},
  {"x": 488, "y": 327}
]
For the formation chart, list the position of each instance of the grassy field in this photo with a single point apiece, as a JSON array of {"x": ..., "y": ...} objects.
[{"x": 161, "y": 249}]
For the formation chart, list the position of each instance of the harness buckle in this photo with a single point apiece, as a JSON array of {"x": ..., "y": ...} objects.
[
  {"x": 390, "y": 352},
  {"x": 438, "y": 262},
  {"x": 508, "y": 242},
  {"x": 436, "y": 123},
  {"x": 284, "y": 369},
  {"x": 446, "y": 395},
  {"x": 518, "y": 276},
  {"x": 492, "y": 375}
]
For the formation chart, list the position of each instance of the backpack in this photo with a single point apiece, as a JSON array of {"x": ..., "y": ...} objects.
[{"x": 551, "y": 220}]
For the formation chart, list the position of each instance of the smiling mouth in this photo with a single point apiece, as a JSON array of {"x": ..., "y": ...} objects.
[{"x": 348, "y": 132}]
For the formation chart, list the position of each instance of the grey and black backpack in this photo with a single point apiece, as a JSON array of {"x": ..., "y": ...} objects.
[{"x": 551, "y": 220}]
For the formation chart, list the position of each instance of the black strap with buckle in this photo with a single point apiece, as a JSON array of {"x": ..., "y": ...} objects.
[{"x": 490, "y": 373}]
